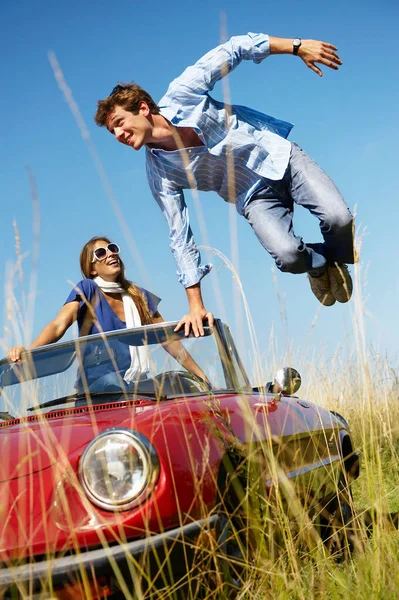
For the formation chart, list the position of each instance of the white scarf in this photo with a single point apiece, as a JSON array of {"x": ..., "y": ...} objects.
[{"x": 139, "y": 366}]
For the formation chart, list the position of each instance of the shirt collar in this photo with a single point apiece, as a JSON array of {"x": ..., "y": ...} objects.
[{"x": 168, "y": 112}]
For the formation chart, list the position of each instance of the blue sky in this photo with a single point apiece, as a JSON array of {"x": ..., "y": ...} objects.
[{"x": 347, "y": 121}]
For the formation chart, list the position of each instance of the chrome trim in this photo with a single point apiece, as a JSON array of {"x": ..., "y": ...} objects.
[
  {"x": 305, "y": 469},
  {"x": 303, "y": 404},
  {"x": 227, "y": 348},
  {"x": 153, "y": 467},
  {"x": 101, "y": 559}
]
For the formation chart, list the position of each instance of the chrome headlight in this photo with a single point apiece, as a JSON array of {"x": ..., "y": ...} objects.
[{"x": 118, "y": 469}]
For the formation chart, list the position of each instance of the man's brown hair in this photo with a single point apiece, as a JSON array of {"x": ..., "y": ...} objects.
[{"x": 126, "y": 95}]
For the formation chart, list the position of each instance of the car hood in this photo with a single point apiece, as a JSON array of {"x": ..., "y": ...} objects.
[{"x": 35, "y": 443}]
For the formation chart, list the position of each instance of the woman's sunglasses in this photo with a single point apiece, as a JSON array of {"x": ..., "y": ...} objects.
[{"x": 101, "y": 253}]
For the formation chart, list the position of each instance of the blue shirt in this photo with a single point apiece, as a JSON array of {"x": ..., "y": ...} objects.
[
  {"x": 96, "y": 356},
  {"x": 242, "y": 147}
]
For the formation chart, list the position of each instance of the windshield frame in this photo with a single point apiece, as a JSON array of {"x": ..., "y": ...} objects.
[{"x": 223, "y": 338}]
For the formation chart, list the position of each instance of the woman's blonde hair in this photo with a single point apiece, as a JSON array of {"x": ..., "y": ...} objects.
[{"x": 86, "y": 266}]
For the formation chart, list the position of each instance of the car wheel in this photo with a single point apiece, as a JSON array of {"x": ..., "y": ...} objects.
[
  {"x": 237, "y": 543},
  {"x": 233, "y": 554},
  {"x": 336, "y": 523}
]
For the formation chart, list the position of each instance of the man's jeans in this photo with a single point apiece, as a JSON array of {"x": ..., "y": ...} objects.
[{"x": 270, "y": 212}]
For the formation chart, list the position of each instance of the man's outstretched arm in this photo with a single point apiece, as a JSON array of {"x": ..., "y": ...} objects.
[
  {"x": 190, "y": 270},
  {"x": 201, "y": 77},
  {"x": 310, "y": 51}
]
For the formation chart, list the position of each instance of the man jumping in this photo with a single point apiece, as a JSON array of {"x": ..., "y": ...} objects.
[{"x": 194, "y": 141}]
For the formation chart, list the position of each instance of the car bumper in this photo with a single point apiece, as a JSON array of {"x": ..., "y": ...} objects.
[{"x": 101, "y": 561}]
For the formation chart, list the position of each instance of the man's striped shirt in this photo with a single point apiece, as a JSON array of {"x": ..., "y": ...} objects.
[{"x": 242, "y": 147}]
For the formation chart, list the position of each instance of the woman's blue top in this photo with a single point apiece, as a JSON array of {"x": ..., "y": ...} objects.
[{"x": 96, "y": 356}]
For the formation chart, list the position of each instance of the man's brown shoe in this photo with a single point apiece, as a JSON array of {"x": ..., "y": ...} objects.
[
  {"x": 321, "y": 289},
  {"x": 340, "y": 282}
]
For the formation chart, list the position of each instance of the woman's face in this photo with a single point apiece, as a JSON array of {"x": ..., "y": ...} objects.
[{"x": 109, "y": 267}]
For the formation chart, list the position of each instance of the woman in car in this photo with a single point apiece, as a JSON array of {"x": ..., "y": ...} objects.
[{"x": 105, "y": 301}]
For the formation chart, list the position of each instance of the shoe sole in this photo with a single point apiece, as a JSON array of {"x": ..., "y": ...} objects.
[
  {"x": 343, "y": 294},
  {"x": 326, "y": 300}
]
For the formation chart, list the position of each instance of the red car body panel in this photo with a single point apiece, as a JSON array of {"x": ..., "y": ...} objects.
[
  {"x": 50, "y": 530},
  {"x": 41, "y": 494}
]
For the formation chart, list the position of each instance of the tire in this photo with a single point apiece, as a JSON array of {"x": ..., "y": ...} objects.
[
  {"x": 237, "y": 532},
  {"x": 336, "y": 523},
  {"x": 233, "y": 557}
]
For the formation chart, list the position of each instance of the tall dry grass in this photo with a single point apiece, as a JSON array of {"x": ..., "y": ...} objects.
[
  {"x": 290, "y": 564},
  {"x": 282, "y": 557}
]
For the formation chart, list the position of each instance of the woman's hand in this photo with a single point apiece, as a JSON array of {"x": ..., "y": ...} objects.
[{"x": 14, "y": 354}]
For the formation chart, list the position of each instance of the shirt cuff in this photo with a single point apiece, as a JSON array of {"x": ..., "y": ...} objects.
[
  {"x": 261, "y": 46},
  {"x": 193, "y": 276}
]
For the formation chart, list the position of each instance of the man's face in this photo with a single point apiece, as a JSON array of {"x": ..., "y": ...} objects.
[{"x": 129, "y": 129}]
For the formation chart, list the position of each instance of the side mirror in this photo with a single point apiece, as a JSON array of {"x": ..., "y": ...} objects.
[{"x": 287, "y": 381}]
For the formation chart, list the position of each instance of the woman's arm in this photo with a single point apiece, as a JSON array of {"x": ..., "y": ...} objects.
[{"x": 52, "y": 332}]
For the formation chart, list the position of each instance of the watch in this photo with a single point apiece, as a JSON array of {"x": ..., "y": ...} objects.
[{"x": 296, "y": 43}]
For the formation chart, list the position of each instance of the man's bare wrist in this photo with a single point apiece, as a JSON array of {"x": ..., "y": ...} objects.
[
  {"x": 194, "y": 298},
  {"x": 281, "y": 45}
]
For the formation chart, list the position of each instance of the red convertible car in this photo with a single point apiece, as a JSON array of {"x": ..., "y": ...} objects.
[{"x": 115, "y": 489}]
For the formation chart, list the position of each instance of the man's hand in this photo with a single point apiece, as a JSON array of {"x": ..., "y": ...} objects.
[
  {"x": 194, "y": 320},
  {"x": 198, "y": 313},
  {"x": 312, "y": 51}
]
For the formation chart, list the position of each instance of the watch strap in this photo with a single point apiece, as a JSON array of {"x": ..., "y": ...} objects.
[{"x": 296, "y": 45}]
